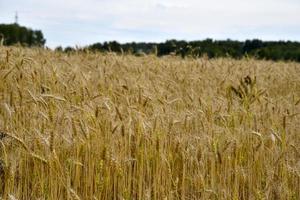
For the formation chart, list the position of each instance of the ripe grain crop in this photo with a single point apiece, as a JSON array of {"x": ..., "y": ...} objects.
[{"x": 106, "y": 126}]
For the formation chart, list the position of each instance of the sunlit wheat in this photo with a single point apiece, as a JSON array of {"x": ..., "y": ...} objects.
[{"x": 107, "y": 126}]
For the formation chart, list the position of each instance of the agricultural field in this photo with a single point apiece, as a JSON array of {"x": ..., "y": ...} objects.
[{"x": 106, "y": 126}]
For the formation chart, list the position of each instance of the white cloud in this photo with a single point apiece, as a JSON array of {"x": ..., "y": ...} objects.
[{"x": 143, "y": 20}]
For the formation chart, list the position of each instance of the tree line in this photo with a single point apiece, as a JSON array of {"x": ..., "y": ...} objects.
[
  {"x": 269, "y": 50},
  {"x": 11, "y": 34}
]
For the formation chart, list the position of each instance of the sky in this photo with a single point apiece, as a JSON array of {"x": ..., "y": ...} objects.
[{"x": 83, "y": 22}]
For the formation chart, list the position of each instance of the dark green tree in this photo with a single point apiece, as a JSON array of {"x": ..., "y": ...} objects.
[{"x": 16, "y": 34}]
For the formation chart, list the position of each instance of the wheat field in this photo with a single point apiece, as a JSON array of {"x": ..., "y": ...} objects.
[{"x": 105, "y": 126}]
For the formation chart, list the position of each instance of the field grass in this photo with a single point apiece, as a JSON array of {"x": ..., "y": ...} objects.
[{"x": 95, "y": 126}]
